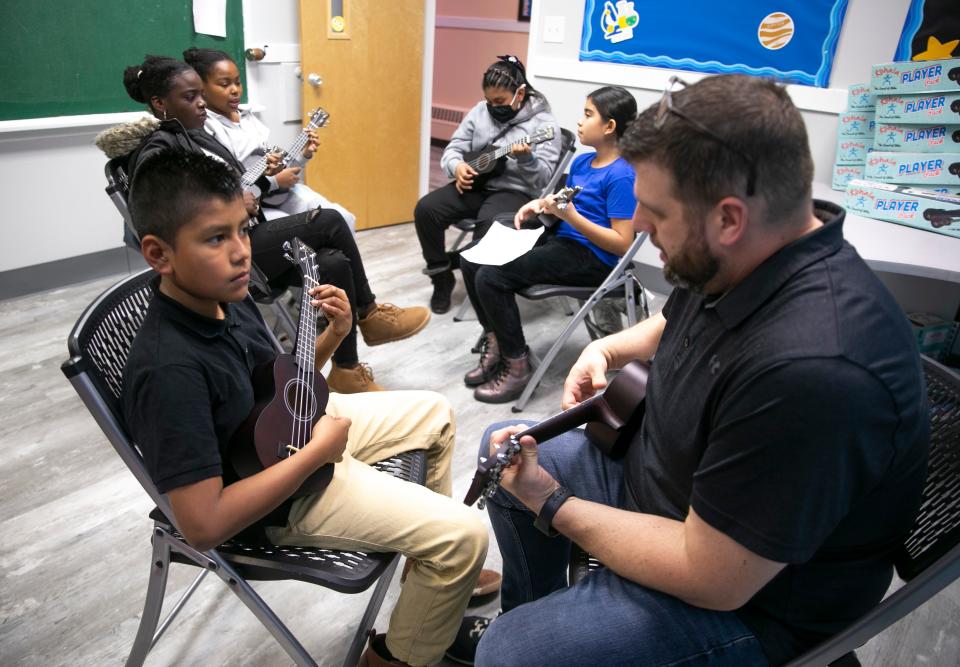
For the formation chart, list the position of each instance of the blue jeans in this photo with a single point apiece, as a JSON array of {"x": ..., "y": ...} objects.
[{"x": 603, "y": 619}]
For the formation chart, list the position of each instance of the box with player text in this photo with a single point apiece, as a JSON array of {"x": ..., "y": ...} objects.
[
  {"x": 905, "y": 206},
  {"x": 925, "y": 76},
  {"x": 937, "y": 108},
  {"x": 927, "y": 168},
  {"x": 917, "y": 138},
  {"x": 860, "y": 97}
]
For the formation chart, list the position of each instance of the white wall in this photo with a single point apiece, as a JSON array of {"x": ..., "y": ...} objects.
[
  {"x": 870, "y": 34},
  {"x": 53, "y": 204}
]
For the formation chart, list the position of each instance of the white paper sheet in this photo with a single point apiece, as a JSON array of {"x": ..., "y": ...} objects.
[
  {"x": 210, "y": 17},
  {"x": 502, "y": 244}
]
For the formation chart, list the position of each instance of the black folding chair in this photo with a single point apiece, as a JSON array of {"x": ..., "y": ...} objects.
[
  {"x": 98, "y": 347},
  {"x": 929, "y": 558},
  {"x": 118, "y": 189},
  {"x": 568, "y": 146}
]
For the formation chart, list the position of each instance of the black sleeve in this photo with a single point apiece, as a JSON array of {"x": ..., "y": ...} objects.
[
  {"x": 172, "y": 423},
  {"x": 790, "y": 451}
]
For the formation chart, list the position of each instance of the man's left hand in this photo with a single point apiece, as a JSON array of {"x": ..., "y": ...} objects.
[
  {"x": 335, "y": 305},
  {"x": 526, "y": 480},
  {"x": 313, "y": 141}
]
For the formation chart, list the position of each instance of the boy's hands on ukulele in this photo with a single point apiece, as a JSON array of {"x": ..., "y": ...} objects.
[
  {"x": 333, "y": 302},
  {"x": 586, "y": 378},
  {"x": 527, "y": 212},
  {"x": 251, "y": 203},
  {"x": 526, "y": 480},
  {"x": 464, "y": 174},
  {"x": 273, "y": 164},
  {"x": 329, "y": 439},
  {"x": 313, "y": 142},
  {"x": 288, "y": 177}
]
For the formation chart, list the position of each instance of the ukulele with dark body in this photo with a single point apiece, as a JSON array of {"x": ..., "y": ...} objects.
[
  {"x": 290, "y": 395},
  {"x": 490, "y": 162},
  {"x": 612, "y": 418}
]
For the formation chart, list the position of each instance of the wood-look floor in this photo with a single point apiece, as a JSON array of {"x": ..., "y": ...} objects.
[{"x": 74, "y": 533}]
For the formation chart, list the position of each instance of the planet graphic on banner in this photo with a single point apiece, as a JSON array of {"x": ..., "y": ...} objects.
[{"x": 775, "y": 31}]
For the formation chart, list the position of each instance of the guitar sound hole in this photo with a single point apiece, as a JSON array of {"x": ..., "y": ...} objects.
[
  {"x": 482, "y": 162},
  {"x": 300, "y": 400}
]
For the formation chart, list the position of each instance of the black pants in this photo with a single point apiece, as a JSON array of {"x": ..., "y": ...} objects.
[
  {"x": 492, "y": 289},
  {"x": 441, "y": 208},
  {"x": 338, "y": 262}
]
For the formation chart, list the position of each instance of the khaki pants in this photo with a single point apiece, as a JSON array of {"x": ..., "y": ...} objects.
[{"x": 364, "y": 509}]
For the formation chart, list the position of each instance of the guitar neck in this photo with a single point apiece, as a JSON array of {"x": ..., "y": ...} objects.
[
  {"x": 305, "y": 348},
  {"x": 590, "y": 410},
  {"x": 251, "y": 175}
]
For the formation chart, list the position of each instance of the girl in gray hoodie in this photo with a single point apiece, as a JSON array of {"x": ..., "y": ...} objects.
[{"x": 511, "y": 113}]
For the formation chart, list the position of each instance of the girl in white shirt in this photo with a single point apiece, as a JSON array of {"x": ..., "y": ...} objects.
[{"x": 248, "y": 138}]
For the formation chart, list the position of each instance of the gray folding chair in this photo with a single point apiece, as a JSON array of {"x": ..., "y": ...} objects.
[
  {"x": 929, "y": 558},
  {"x": 621, "y": 282},
  {"x": 568, "y": 146},
  {"x": 98, "y": 347},
  {"x": 118, "y": 189}
]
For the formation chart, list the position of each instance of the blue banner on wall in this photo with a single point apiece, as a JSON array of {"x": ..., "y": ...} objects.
[{"x": 790, "y": 40}]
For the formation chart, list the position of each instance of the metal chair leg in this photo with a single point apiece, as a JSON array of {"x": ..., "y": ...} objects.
[
  {"x": 284, "y": 320},
  {"x": 370, "y": 613},
  {"x": 262, "y": 611},
  {"x": 159, "y": 566},
  {"x": 460, "y": 315}
]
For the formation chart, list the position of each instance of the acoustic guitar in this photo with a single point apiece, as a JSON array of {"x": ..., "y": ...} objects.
[
  {"x": 290, "y": 395},
  {"x": 489, "y": 162},
  {"x": 612, "y": 418},
  {"x": 318, "y": 119}
]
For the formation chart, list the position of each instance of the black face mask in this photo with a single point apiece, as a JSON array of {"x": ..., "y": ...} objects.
[{"x": 502, "y": 113}]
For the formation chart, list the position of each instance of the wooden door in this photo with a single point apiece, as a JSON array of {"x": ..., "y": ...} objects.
[{"x": 371, "y": 69}]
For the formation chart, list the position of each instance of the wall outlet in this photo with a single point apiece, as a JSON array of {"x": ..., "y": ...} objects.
[{"x": 554, "y": 28}]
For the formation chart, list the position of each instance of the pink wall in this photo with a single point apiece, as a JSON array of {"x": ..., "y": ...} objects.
[{"x": 461, "y": 55}]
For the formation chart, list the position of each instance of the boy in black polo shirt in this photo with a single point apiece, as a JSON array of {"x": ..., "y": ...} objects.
[{"x": 187, "y": 387}]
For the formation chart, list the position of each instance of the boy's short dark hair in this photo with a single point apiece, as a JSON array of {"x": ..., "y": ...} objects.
[
  {"x": 752, "y": 114},
  {"x": 169, "y": 185}
]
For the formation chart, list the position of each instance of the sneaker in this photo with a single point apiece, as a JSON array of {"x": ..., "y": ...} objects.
[
  {"x": 464, "y": 647},
  {"x": 386, "y": 323},
  {"x": 352, "y": 380}
]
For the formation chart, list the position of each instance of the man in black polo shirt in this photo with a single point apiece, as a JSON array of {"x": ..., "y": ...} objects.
[{"x": 784, "y": 446}]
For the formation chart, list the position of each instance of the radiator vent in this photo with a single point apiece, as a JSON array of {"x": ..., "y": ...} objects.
[{"x": 447, "y": 114}]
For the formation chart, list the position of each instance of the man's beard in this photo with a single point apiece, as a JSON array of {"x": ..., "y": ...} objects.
[{"x": 693, "y": 266}]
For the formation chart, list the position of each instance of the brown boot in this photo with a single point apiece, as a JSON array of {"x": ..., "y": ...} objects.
[
  {"x": 352, "y": 380},
  {"x": 386, "y": 323},
  {"x": 489, "y": 361},
  {"x": 508, "y": 383},
  {"x": 372, "y": 658}
]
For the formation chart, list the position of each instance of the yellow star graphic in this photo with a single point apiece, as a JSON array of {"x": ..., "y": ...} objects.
[{"x": 936, "y": 50}]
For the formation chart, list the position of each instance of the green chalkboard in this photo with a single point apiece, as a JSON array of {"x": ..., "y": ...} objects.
[{"x": 63, "y": 58}]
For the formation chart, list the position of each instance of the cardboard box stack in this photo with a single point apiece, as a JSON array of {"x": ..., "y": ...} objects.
[
  {"x": 854, "y": 135},
  {"x": 912, "y": 172}
]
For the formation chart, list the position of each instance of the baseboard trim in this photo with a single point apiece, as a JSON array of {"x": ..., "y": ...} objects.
[{"x": 51, "y": 275}]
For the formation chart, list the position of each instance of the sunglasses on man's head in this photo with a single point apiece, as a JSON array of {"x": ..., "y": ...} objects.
[{"x": 666, "y": 107}]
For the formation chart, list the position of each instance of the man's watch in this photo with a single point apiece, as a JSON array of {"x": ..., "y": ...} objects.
[{"x": 548, "y": 511}]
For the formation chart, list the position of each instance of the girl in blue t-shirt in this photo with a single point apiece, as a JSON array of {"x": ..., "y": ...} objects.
[{"x": 580, "y": 250}]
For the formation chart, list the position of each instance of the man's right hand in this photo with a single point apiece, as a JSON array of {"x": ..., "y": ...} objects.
[
  {"x": 586, "y": 378},
  {"x": 464, "y": 174},
  {"x": 329, "y": 439}
]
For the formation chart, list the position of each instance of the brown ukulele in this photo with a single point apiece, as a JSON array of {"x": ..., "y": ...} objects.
[
  {"x": 611, "y": 417},
  {"x": 290, "y": 394}
]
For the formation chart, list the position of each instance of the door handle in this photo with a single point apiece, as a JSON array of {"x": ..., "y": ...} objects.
[{"x": 314, "y": 79}]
